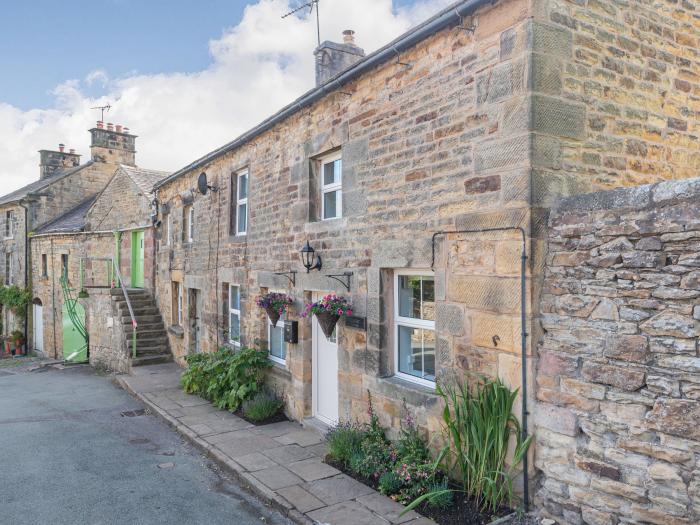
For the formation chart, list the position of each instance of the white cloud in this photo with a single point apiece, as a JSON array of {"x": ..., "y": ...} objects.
[{"x": 257, "y": 67}]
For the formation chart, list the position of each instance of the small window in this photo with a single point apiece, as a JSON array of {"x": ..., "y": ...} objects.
[
  {"x": 415, "y": 326},
  {"x": 9, "y": 224},
  {"x": 234, "y": 315},
  {"x": 242, "y": 203},
  {"x": 167, "y": 230},
  {"x": 177, "y": 304},
  {"x": 275, "y": 338},
  {"x": 331, "y": 187},
  {"x": 64, "y": 266},
  {"x": 44, "y": 265},
  {"x": 8, "y": 268},
  {"x": 188, "y": 223}
]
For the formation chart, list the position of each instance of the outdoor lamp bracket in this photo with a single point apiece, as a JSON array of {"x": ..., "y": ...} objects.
[{"x": 308, "y": 254}]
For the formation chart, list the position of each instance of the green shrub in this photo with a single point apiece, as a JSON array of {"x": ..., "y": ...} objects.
[
  {"x": 262, "y": 406},
  {"x": 344, "y": 441},
  {"x": 227, "y": 377},
  {"x": 390, "y": 483},
  {"x": 440, "y": 496},
  {"x": 416, "y": 481},
  {"x": 411, "y": 447},
  {"x": 376, "y": 456}
]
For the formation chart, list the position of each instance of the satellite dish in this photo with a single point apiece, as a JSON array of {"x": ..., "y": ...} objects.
[{"x": 202, "y": 184}]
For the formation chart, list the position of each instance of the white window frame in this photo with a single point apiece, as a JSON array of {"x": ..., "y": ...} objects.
[
  {"x": 190, "y": 224},
  {"x": 168, "y": 228},
  {"x": 242, "y": 201},
  {"x": 232, "y": 310},
  {"x": 9, "y": 220},
  {"x": 8, "y": 268},
  {"x": 280, "y": 324},
  {"x": 178, "y": 303},
  {"x": 328, "y": 188},
  {"x": 410, "y": 323}
]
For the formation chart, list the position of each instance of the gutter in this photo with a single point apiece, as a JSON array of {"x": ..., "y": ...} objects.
[{"x": 451, "y": 16}]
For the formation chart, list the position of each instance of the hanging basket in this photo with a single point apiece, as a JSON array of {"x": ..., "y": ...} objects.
[
  {"x": 273, "y": 314},
  {"x": 327, "y": 322}
]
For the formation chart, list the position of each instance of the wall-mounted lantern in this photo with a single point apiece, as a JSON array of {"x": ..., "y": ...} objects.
[{"x": 307, "y": 258}]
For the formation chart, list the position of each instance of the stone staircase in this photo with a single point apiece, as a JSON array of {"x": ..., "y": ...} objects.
[{"x": 151, "y": 338}]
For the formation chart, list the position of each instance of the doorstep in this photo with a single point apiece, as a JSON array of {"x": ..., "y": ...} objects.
[{"x": 282, "y": 463}]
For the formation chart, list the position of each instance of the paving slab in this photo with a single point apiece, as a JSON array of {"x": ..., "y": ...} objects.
[
  {"x": 255, "y": 461},
  {"x": 301, "y": 499},
  {"x": 347, "y": 513},
  {"x": 303, "y": 438},
  {"x": 284, "y": 455},
  {"x": 277, "y": 429},
  {"x": 337, "y": 489},
  {"x": 277, "y": 477},
  {"x": 387, "y": 508},
  {"x": 312, "y": 469}
]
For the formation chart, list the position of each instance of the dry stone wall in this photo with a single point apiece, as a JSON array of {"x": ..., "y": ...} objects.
[{"x": 619, "y": 370}]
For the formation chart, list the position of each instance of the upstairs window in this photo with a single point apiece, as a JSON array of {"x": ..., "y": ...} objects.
[
  {"x": 177, "y": 304},
  {"x": 44, "y": 265},
  {"x": 64, "y": 266},
  {"x": 188, "y": 223},
  {"x": 168, "y": 229},
  {"x": 239, "y": 203},
  {"x": 415, "y": 326},
  {"x": 331, "y": 187},
  {"x": 8, "y": 268},
  {"x": 234, "y": 315},
  {"x": 9, "y": 224}
]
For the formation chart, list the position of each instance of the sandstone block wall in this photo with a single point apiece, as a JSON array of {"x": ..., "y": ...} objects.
[{"x": 619, "y": 367}]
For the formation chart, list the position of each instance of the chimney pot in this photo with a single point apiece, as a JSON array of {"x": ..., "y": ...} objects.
[
  {"x": 72, "y": 151},
  {"x": 61, "y": 147},
  {"x": 118, "y": 128},
  {"x": 126, "y": 130},
  {"x": 110, "y": 126},
  {"x": 100, "y": 124},
  {"x": 349, "y": 36}
]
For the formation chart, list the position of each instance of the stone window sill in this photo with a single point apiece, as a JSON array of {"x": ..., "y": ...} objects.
[
  {"x": 238, "y": 239},
  {"x": 280, "y": 370},
  {"x": 414, "y": 393},
  {"x": 326, "y": 225},
  {"x": 177, "y": 331}
]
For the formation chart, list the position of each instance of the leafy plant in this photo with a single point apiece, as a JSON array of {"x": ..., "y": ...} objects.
[
  {"x": 227, "y": 377},
  {"x": 478, "y": 425},
  {"x": 15, "y": 298},
  {"x": 440, "y": 497},
  {"x": 411, "y": 447},
  {"x": 329, "y": 304},
  {"x": 344, "y": 440},
  {"x": 17, "y": 337},
  {"x": 390, "y": 483},
  {"x": 262, "y": 406},
  {"x": 374, "y": 458}
]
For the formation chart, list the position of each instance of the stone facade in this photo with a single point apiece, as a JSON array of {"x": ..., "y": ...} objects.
[{"x": 619, "y": 372}]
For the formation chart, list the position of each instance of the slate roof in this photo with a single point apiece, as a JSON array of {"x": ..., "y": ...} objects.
[
  {"x": 70, "y": 222},
  {"x": 39, "y": 185},
  {"x": 143, "y": 178}
]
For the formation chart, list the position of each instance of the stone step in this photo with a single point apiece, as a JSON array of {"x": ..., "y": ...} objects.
[
  {"x": 147, "y": 341},
  {"x": 148, "y": 332},
  {"x": 150, "y": 350},
  {"x": 139, "y": 310},
  {"x": 151, "y": 360},
  {"x": 135, "y": 303},
  {"x": 136, "y": 292},
  {"x": 145, "y": 327},
  {"x": 142, "y": 319}
]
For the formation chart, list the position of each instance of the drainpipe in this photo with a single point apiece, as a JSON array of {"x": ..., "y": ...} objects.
[{"x": 523, "y": 336}]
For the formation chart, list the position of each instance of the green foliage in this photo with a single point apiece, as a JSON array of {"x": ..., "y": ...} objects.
[
  {"x": 376, "y": 457},
  {"x": 17, "y": 337},
  {"x": 15, "y": 298},
  {"x": 344, "y": 441},
  {"x": 227, "y": 377},
  {"x": 439, "y": 494},
  {"x": 479, "y": 424},
  {"x": 416, "y": 480},
  {"x": 411, "y": 447},
  {"x": 390, "y": 483},
  {"x": 262, "y": 406}
]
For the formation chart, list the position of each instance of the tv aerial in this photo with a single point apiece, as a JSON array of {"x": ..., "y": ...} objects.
[
  {"x": 311, "y": 4},
  {"x": 103, "y": 109},
  {"x": 202, "y": 184}
]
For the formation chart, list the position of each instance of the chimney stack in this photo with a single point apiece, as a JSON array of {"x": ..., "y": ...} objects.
[
  {"x": 115, "y": 144},
  {"x": 61, "y": 147},
  {"x": 51, "y": 162},
  {"x": 333, "y": 58}
]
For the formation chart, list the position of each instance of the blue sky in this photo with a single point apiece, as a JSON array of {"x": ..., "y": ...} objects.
[{"x": 185, "y": 75}]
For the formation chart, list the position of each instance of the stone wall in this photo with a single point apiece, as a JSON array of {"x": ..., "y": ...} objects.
[
  {"x": 108, "y": 349},
  {"x": 619, "y": 369},
  {"x": 15, "y": 247},
  {"x": 441, "y": 144},
  {"x": 625, "y": 79}
]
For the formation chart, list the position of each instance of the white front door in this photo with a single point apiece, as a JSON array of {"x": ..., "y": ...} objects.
[
  {"x": 325, "y": 374},
  {"x": 38, "y": 328}
]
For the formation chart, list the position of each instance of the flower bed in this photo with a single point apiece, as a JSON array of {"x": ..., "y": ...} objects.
[{"x": 478, "y": 425}]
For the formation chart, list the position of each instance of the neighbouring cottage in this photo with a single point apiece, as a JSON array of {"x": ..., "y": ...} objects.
[
  {"x": 63, "y": 184},
  {"x": 113, "y": 229},
  {"x": 477, "y": 120}
]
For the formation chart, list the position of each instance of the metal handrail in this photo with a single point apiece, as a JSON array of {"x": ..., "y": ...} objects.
[{"x": 128, "y": 304}]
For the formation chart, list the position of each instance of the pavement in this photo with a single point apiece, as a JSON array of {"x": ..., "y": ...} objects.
[
  {"x": 282, "y": 462},
  {"x": 76, "y": 449}
]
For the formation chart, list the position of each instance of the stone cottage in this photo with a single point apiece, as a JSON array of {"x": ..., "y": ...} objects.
[
  {"x": 420, "y": 174},
  {"x": 112, "y": 228},
  {"x": 63, "y": 184}
]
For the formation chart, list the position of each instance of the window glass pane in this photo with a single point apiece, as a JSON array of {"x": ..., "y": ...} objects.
[
  {"x": 331, "y": 172},
  {"x": 409, "y": 296},
  {"x": 428, "y": 299},
  {"x": 242, "y": 218},
  {"x": 277, "y": 345},
  {"x": 234, "y": 297},
  {"x": 234, "y": 323},
  {"x": 417, "y": 352},
  {"x": 330, "y": 205},
  {"x": 243, "y": 186}
]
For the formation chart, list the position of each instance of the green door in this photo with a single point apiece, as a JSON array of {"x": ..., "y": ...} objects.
[
  {"x": 74, "y": 342},
  {"x": 137, "y": 259}
]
